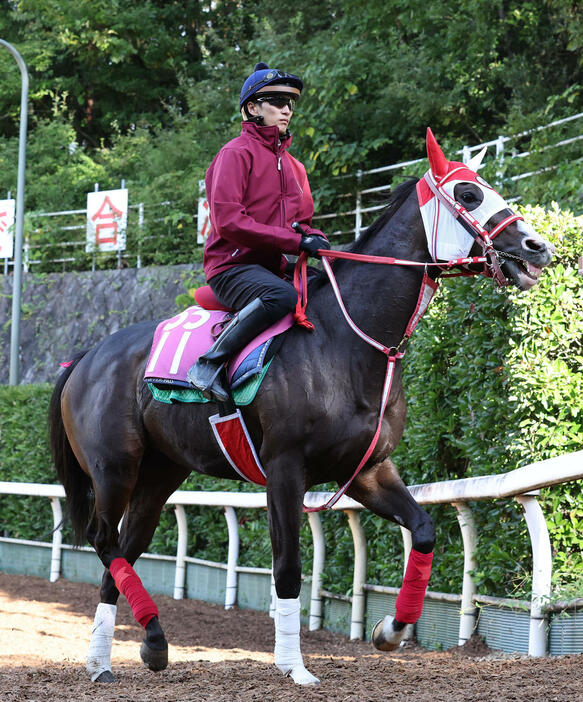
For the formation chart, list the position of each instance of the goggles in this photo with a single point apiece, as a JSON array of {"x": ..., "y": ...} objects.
[{"x": 278, "y": 101}]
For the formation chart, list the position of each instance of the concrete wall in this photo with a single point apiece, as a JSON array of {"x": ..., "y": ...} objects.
[{"x": 64, "y": 313}]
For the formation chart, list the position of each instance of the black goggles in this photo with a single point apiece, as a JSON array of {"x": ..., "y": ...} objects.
[{"x": 278, "y": 101}]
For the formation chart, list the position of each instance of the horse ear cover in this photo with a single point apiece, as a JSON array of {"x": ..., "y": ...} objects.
[{"x": 437, "y": 161}]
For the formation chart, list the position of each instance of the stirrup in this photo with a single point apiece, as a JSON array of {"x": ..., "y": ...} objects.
[{"x": 211, "y": 387}]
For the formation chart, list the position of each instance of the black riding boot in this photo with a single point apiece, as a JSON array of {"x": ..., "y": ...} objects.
[{"x": 205, "y": 374}]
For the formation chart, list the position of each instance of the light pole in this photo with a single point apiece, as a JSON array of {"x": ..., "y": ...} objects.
[{"x": 14, "y": 376}]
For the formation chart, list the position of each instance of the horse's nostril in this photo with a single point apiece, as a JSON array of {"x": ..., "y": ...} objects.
[{"x": 534, "y": 244}]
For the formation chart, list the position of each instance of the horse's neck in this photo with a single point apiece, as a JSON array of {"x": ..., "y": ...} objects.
[{"x": 381, "y": 299}]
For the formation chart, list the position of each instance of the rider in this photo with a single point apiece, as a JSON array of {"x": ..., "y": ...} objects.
[{"x": 256, "y": 190}]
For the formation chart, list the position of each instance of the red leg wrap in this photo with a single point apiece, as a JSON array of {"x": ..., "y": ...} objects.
[
  {"x": 409, "y": 603},
  {"x": 129, "y": 584}
]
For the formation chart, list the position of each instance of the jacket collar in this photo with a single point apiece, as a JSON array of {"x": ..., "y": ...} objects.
[{"x": 268, "y": 136}]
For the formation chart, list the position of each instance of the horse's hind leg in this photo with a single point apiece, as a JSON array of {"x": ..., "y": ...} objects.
[
  {"x": 285, "y": 493},
  {"x": 381, "y": 490},
  {"x": 158, "y": 479},
  {"x": 111, "y": 498}
]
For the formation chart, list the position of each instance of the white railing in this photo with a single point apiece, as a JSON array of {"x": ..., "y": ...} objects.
[
  {"x": 502, "y": 154},
  {"x": 326, "y": 221},
  {"x": 522, "y": 484}
]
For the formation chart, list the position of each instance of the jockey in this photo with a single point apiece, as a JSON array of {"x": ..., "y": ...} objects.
[{"x": 256, "y": 190}]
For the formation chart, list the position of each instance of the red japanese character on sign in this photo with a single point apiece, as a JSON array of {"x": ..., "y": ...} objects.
[
  {"x": 106, "y": 222},
  {"x": 203, "y": 219},
  {"x": 203, "y": 229},
  {"x": 6, "y": 223},
  {"x": 107, "y": 214},
  {"x": 3, "y": 227}
]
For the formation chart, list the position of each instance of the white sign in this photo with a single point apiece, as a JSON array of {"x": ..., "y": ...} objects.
[
  {"x": 7, "y": 208},
  {"x": 203, "y": 219},
  {"x": 107, "y": 220}
]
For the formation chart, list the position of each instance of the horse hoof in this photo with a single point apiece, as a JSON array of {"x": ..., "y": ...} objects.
[
  {"x": 384, "y": 637},
  {"x": 106, "y": 677},
  {"x": 301, "y": 676},
  {"x": 155, "y": 658}
]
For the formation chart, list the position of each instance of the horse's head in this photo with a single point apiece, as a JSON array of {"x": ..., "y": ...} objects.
[{"x": 465, "y": 217}]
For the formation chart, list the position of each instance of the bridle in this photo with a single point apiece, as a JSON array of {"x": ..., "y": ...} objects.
[{"x": 481, "y": 235}]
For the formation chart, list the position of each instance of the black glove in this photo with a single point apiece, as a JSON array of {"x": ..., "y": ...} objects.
[{"x": 312, "y": 242}]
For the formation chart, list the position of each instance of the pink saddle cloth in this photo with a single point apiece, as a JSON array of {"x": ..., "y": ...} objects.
[{"x": 179, "y": 341}]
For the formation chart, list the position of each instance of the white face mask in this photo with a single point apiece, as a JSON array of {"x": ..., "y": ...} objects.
[{"x": 446, "y": 237}]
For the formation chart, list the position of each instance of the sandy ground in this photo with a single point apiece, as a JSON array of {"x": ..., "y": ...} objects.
[{"x": 227, "y": 656}]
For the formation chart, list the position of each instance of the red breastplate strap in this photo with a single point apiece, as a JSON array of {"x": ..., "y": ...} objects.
[{"x": 393, "y": 354}]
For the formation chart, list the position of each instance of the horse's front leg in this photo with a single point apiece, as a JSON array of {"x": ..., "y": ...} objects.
[
  {"x": 285, "y": 494},
  {"x": 381, "y": 490}
]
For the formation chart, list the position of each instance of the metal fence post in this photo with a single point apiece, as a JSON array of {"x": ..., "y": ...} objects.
[
  {"x": 358, "y": 597},
  {"x": 317, "y": 569},
  {"x": 232, "y": 557},
  {"x": 181, "y": 546},
  {"x": 499, "y": 159},
  {"x": 469, "y": 538},
  {"x": 141, "y": 231},
  {"x": 542, "y": 564},
  {"x": 56, "y": 548},
  {"x": 358, "y": 208}
]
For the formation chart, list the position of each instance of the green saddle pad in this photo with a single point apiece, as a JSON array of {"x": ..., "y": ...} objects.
[{"x": 243, "y": 395}]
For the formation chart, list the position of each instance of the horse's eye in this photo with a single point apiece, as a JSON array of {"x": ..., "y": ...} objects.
[{"x": 468, "y": 197}]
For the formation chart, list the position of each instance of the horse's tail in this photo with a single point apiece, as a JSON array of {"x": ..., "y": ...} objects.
[{"x": 76, "y": 482}]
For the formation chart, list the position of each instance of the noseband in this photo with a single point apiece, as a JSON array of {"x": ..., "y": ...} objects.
[{"x": 481, "y": 235}]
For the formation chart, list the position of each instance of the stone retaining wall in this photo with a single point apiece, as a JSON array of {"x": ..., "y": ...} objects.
[{"x": 64, "y": 313}]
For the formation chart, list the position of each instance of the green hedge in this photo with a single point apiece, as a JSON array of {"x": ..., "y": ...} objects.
[{"x": 493, "y": 381}]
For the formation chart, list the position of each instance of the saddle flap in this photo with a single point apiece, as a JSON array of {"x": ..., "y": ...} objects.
[{"x": 178, "y": 342}]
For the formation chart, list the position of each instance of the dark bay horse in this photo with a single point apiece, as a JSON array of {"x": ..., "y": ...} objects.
[{"x": 118, "y": 452}]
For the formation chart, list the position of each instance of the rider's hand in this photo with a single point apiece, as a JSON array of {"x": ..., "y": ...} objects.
[{"x": 312, "y": 242}]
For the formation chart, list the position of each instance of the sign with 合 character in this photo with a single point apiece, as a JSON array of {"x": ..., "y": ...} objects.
[
  {"x": 204, "y": 219},
  {"x": 7, "y": 209},
  {"x": 107, "y": 219}
]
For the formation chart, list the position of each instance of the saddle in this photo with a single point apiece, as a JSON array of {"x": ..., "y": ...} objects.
[
  {"x": 179, "y": 341},
  {"x": 177, "y": 344}
]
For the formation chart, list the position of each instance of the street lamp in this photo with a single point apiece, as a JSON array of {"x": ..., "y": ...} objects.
[{"x": 14, "y": 377}]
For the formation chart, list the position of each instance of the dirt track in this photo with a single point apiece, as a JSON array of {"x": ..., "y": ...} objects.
[{"x": 227, "y": 656}]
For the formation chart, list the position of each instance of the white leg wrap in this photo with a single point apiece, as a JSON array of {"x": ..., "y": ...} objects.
[
  {"x": 288, "y": 656},
  {"x": 99, "y": 656}
]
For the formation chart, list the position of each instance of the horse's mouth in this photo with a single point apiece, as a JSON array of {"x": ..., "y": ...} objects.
[{"x": 522, "y": 273}]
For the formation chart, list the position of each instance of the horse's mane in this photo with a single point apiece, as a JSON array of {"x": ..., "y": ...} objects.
[{"x": 396, "y": 198}]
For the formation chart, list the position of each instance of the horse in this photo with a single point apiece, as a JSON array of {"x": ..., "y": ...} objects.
[{"x": 119, "y": 453}]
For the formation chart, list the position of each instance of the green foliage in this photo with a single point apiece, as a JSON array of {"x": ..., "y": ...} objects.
[
  {"x": 25, "y": 458},
  {"x": 504, "y": 390},
  {"x": 148, "y": 92},
  {"x": 493, "y": 382}
]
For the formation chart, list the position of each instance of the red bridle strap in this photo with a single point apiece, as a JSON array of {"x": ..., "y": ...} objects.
[{"x": 481, "y": 235}]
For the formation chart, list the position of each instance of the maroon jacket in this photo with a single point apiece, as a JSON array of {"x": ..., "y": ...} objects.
[{"x": 255, "y": 191}]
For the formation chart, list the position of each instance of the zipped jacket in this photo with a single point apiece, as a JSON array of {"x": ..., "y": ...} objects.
[{"x": 256, "y": 190}]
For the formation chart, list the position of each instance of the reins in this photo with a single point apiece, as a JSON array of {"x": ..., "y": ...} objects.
[{"x": 491, "y": 269}]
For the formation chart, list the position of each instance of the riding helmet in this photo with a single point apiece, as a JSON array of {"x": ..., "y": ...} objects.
[{"x": 264, "y": 77}]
